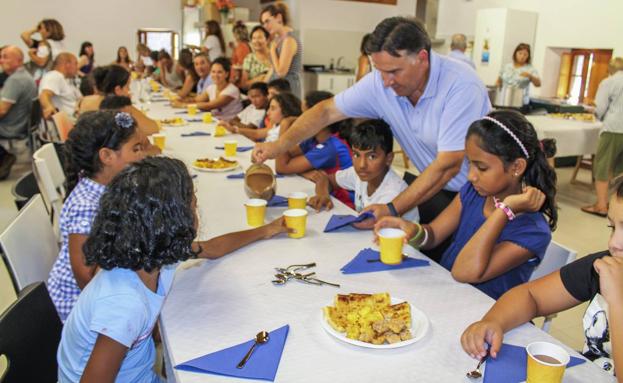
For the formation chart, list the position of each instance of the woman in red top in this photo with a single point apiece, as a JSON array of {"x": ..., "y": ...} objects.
[{"x": 240, "y": 50}]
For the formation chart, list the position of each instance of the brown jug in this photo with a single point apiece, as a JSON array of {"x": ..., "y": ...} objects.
[{"x": 260, "y": 182}]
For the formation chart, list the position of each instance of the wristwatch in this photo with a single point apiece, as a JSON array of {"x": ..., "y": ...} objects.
[{"x": 392, "y": 209}]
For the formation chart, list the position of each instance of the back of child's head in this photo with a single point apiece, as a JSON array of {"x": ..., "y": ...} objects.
[
  {"x": 110, "y": 77},
  {"x": 112, "y": 102},
  {"x": 92, "y": 132},
  {"x": 520, "y": 141},
  {"x": 146, "y": 218},
  {"x": 290, "y": 104},
  {"x": 260, "y": 86},
  {"x": 315, "y": 96},
  {"x": 372, "y": 134},
  {"x": 280, "y": 84}
]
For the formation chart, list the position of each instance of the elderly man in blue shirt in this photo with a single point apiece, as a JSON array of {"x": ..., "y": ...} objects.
[{"x": 428, "y": 100}]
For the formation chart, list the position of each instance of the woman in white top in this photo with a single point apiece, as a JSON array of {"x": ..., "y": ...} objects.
[
  {"x": 214, "y": 43},
  {"x": 520, "y": 73},
  {"x": 222, "y": 98},
  {"x": 42, "y": 53}
]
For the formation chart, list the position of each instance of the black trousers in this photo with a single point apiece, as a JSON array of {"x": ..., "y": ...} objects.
[{"x": 431, "y": 209}]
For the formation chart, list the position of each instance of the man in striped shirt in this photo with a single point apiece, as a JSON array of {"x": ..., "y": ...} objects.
[{"x": 609, "y": 157}]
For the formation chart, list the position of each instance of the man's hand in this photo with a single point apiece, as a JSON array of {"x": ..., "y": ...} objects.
[{"x": 265, "y": 151}]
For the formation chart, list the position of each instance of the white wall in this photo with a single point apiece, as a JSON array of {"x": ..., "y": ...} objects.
[
  {"x": 334, "y": 28},
  {"x": 561, "y": 24},
  {"x": 107, "y": 24}
]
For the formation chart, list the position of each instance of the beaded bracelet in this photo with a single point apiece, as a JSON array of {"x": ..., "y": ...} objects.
[{"x": 505, "y": 208}]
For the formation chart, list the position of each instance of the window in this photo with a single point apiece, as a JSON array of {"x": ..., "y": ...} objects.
[
  {"x": 581, "y": 71},
  {"x": 157, "y": 39}
]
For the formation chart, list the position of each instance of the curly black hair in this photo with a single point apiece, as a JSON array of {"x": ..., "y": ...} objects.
[
  {"x": 290, "y": 104},
  {"x": 495, "y": 140},
  {"x": 145, "y": 219},
  {"x": 93, "y": 131}
]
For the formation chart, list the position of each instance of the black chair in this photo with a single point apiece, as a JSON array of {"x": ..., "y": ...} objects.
[
  {"x": 24, "y": 188},
  {"x": 431, "y": 209},
  {"x": 30, "y": 332}
]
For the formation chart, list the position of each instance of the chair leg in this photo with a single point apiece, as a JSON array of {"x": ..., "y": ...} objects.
[{"x": 578, "y": 163}]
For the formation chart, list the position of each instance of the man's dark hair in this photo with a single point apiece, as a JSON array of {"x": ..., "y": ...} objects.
[{"x": 396, "y": 34}]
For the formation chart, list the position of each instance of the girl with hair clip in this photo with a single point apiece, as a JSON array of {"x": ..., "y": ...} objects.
[
  {"x": 98, "y": 147},
  {"x": 498, "y": 220},
  {"x": 286, "y": 50},
  {"x": 595, "y": 278},
  {"x": 145, "y": 226}
]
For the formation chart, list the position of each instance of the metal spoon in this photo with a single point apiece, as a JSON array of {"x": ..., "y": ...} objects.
[
  {"x": 260, "y": 338},
  {"x": 476, "y": 374}
]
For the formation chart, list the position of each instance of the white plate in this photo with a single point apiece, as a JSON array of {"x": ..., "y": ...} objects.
[
  {"x": 419, "y": 328},
  {"x": 221, "y": 170}
]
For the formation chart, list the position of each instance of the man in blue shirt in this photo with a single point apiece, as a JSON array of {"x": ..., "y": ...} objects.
[
  {"x": 458, "y": 45},
  {"x": 428, "y": 100}
]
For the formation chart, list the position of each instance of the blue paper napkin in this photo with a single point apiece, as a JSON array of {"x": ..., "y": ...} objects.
[
  {"x": 263, "y": 363},
  {"x": 278, "y": 200},
  {"x": 360, "y": 263},
  {"x": 338, "y": 221},
  {"x": 239, "y": 149},
  {"x": 195, "y": 134},
  {"x": 510, "y": 365}
]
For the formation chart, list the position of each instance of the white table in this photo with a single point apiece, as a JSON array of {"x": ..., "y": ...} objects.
[
  {"x": 217, "y": 304},
  {"x": 573, "y": 138}
]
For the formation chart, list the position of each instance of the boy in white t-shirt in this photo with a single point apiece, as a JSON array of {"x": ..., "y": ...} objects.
[
  {"x": 252, "y": 116},
  {"x": 371, "y": 177}
]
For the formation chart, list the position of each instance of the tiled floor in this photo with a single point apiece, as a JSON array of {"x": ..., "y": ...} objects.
[{"x": 576, "y": 230}]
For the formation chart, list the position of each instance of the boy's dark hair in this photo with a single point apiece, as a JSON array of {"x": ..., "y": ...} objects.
[
  {"x": 290, "y": 104},
  {"x": 93, "y": 131},
  {"x": 113, "y": 102},
  {"x": 495, "y": 140},
  {"x": 145, "y": 219},
  {"x": 281, "y": 84},
  {"x": 224, "y": 63},
  {"x": 396, "y": 34},
  {"x": 372, "y": 134},
  {"x": 315, "y": 96},
  {"x": 261, "y": 86}
]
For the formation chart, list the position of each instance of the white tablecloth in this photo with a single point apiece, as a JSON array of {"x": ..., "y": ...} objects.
[
  {"x": 573, "y": 138},
  {"x": 220, "y": 303}
]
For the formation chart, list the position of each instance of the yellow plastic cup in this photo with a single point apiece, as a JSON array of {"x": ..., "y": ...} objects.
[
  {"x": 219, "y": 131},
  {"x": 296, "y": 219},
  {"x": 207, "y": 117},
  {"x": 297, "y": 200},
  {"x": 230, "y": 148},
  {"x": 191, "y": 109},
  {"x": 390, "y": 242},
  {"x": 256, "y": 210},
  {"x": 159, "y": 140},
  {"x": 546, "y": 362},
  {"x": 134, "y": 75},
  {"x": 155, "y": 87}
]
